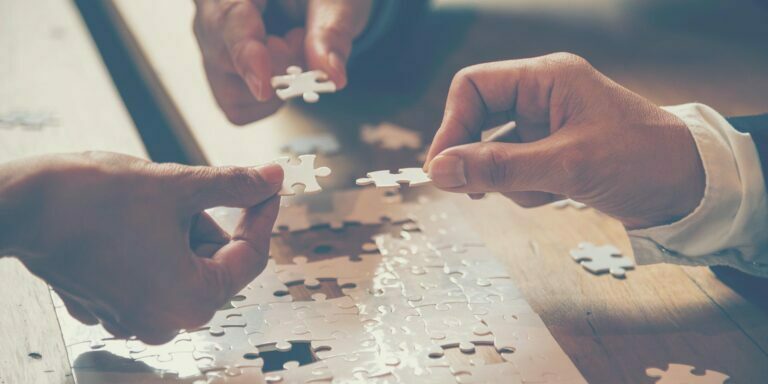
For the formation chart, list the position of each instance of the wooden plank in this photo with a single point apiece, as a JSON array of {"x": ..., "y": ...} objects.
[
  {"x": 612, "y": 329},
  {"x": 52, "y": 72}
]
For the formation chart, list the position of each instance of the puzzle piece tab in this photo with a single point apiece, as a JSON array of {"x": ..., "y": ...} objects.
[
  {"x": 605, "y": 258},
  {"x": 387, "y": 179},
  {"x": 297, "y": 83},
  {"x": 303, "y": 173}
]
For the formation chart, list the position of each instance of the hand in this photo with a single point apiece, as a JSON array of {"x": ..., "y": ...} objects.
[
  {"x": 241, "y": 56},
  {"x": 578, "y": 134},
  {"x": 126, "y": 243}
]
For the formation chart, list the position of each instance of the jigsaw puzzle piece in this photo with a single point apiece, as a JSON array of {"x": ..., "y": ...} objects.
[
  {"x": 75, "y": 332},
  {"x": 297, "y": 83},
  {"x": 310, "y": 373},
  {"x": 568, "y": 203},
  {"x": 481, "y": 374},
  {"x": 536, "y": 354},
  {"x": 304, "y": 173},
  {"x": 454, "y": 326},
  {"x": 325, "y": 144},
  {"x": 390, "y": 136},
  {"x": 681, "y": 373},
  {"x": 600, "y": 259},
  {"x": 223, "y": 319},
  {"x": 335, "y": 268},
  {"x": 261, "y": 291},
  {"x": 385, "y": 179}
]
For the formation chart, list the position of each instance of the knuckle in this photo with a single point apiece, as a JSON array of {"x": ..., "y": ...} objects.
[
  {"x": 463, "y": 76},
  {"x": 239, "y": 51},
  {"x": 567, "y": 64},
  {"x": 496, "y": 169}
]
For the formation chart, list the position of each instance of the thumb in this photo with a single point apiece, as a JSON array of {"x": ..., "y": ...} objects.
[
  {"x": 234, "y": 265},
  {"x": 500, "y": 167},
  {"x": 332, "y": 25},
  {"x": 206, "y": 187}
]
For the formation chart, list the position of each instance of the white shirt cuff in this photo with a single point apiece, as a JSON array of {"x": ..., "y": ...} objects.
[{"x": 728, "y": 227}]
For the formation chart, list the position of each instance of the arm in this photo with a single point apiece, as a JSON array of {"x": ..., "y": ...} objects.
[{"x": 682, "y": 180}]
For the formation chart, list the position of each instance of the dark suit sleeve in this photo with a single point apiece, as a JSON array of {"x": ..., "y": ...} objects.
[{"x": 757, "y": 127}]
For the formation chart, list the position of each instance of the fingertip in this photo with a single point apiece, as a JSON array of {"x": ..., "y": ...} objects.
[
  {"x": 273, "y": 174},
  {"x": 338, "y": 71}
]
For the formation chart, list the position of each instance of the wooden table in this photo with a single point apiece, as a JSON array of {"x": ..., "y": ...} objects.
[{"x": 611, "y": 329}]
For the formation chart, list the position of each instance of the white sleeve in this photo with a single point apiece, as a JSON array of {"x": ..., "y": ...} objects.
[{"x": 730, "y": 225}]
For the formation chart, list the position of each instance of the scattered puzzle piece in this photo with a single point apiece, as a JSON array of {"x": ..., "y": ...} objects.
[
  {"x": 308, "y": 84},
  {"x": 561, "y": 204},
  {"x": 390, "y": 136},
  {"x": 605, "y": 258},
  {"x": 325, "y": 144},
  {"x": 386, "y": 179},
  {"x": 303, "y": 173},
  {"x": 683, "y": 374}
]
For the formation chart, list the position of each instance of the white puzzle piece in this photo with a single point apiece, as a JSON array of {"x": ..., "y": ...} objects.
[
  {"x": 324, "y": 144},
  {"x": 303, "y": 173},
  {"x": 297, "y": 83},
  {"x": 390, "y": 136},
  {"x": 683, "y": 374},
  {"x": 568, "y": 203},
  {"x": 387, "y": 179},
  {"x": 605, "y": 258}
]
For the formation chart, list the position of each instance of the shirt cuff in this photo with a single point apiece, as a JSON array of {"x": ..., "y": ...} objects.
[{"x": 727, "y": 226}]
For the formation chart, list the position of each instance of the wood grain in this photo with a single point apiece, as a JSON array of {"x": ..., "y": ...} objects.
[
  {"x": 49, "y": 67},
  {"x": 612, "y": 329}
]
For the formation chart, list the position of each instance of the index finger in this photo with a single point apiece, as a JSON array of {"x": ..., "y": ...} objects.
[
  {"x": 476, "y": 93},
  {"x": 242, "y": 30}
]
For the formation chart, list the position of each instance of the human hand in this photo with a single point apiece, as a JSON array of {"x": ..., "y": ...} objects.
[
  {"x": 240, "y": 55},
  {"x": 125, "y": 242},
  {"x": 578, "y": 134}
]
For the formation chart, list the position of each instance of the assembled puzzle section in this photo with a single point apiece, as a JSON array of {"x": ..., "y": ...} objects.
[{"x": 416, "y": 294}]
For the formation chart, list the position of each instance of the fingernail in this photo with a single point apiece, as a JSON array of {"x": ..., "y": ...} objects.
[
  {"x": 271, "y": 173},
  {"x": 337, "y": 65},
  {"x": 256, "y": 86},
  {"x": 447, "y": 171}
]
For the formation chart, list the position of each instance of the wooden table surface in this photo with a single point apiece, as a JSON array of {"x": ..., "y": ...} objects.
[{"x": 611, "y": 329}]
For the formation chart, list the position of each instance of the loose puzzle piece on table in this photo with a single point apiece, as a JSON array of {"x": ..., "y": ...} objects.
[
  {"x": 387, "y": 179},
  {"x": 605, "y": 258},
  {"x": 324, "y": 144},
  {"x": 304, "y": 173},
  {"x": 297, "y": 83},
  {"x": 390, "y": 136},
  {"x": 683, "y": 374}
]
